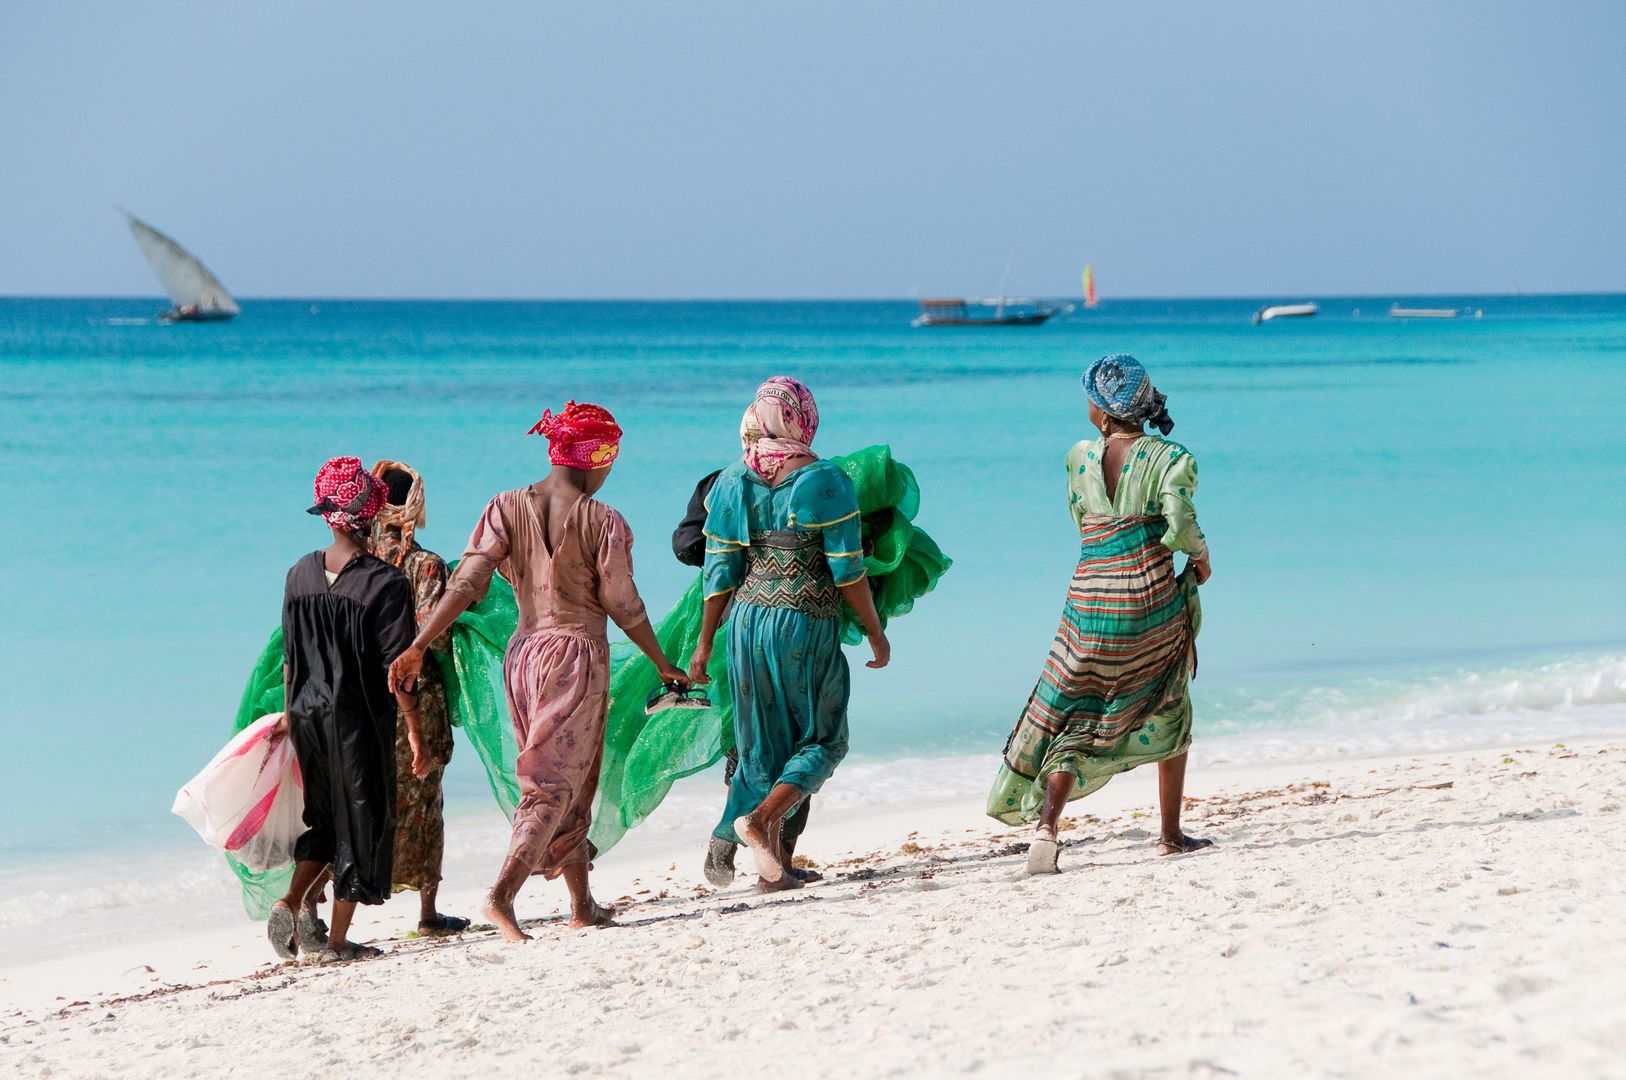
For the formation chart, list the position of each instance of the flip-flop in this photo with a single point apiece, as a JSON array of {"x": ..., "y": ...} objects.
[
  {"x": 351, "y": 951},
  {"x": 769, "y": 867},
  {"x": 279, "y": 928},
  {"x": 1182, "y": 844},
  {"x": 720, "y": 862},
  {"x": 312, "y": 931},
  {"x": 1044, "y": 855},
  {"x": 443, "y": 926}
]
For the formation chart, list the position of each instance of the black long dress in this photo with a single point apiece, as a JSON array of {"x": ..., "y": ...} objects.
[{"x": 338, "y": 642}]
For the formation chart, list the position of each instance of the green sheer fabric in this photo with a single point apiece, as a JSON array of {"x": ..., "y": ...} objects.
[{"x": 643, "y": 755}]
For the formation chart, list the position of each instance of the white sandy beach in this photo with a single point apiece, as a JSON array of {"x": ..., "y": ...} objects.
[{"x": 1435, "y": 916}]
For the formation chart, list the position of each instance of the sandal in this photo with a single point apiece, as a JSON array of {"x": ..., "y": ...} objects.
[
  {"x": 279, "y": 928},
  {"x": 1181, "y": 845},
  {"x": 720, "y": 862},
  {"x": 443, "y": 926},
  {"x": 350, "y": 951},
  {"x": 312, "y": 931},
  {"x": 1044, "y": 854}
]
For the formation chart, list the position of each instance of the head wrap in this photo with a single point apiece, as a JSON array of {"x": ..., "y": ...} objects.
[
  {"x": 1121, "y": 388},
  {"x": 580, "y": 436},
  {"x": 348, "y": 496},
  {"x": 789, "y": 419},
  {"x": 394, "y": 527},
  {"x": 750, "y": 428}
]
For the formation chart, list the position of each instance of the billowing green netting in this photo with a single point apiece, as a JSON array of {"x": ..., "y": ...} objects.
[
  {"x": 475, "y": 699},
  {"x": 645, "y": 755}
]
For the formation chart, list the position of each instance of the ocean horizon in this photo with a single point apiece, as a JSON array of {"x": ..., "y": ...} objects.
[{"x": 1402, "y": 512}]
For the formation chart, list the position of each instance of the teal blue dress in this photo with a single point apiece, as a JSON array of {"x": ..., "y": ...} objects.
[{"x": 782, "y": 552}]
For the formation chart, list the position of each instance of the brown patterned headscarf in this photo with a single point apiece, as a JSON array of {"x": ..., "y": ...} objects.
[{"x": 394, "y": 527}]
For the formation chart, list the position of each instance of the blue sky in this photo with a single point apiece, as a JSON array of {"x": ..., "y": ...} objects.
[{"x": 827, "y": 149}]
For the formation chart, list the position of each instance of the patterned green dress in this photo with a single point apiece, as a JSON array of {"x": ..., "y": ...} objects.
[{"x": 1113, "y": 692}]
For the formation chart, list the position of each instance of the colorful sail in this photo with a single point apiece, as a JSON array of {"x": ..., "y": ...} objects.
[{"x": 1089, "y": 286}]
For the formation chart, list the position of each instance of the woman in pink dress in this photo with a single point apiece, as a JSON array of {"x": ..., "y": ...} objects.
[{"x": 569, "y": 558}]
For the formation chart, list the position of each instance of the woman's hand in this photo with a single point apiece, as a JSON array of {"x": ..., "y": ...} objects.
[
  {"x": 420, "y": 760},
  {"x": 882, "y": 649},
  {"x": 672, "y": 675},
  {"x": 698, "y": 664},
  {"x": 405, "y": 670},
  {"x": 1201, "y": 568},
  {"x": 279, "y": 731}
]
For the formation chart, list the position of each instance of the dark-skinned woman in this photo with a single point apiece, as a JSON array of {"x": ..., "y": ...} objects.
[
  {"x": 783, "y": 540},
  {"x": 569, "y": 558},
  {"x": 1113, "y": 693}
]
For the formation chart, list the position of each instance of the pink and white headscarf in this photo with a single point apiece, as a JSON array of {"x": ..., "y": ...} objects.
[
  {"x": 788, "y": 418},
  {"x": 348, "y": 497}
]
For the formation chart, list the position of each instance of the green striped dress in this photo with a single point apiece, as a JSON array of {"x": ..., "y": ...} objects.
[{"x": 1112, "y": 694}]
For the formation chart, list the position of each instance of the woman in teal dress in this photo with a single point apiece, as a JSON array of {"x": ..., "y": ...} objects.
[
  {"x": 1113, "y": 692},
  {"x": 784, "y": 544}
]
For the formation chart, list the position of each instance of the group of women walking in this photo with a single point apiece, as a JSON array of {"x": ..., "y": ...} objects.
[{"x": 794, "y": 562}]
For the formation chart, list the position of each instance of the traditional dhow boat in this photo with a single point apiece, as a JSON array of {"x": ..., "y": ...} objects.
[
  {"x": 197, "y": 295},
  {"x": 1284, "y": 311}
]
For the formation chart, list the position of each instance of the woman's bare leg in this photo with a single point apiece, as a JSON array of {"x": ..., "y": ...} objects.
[
  {"x": 499, "y": 905},
  {"x": 1044, "y": 853},
  {"x": 759, "y": 830},
  {"x": 343, "y": 912},
  {"x": 1171, "y": 793},
  {"x": 584, "y": 910}
]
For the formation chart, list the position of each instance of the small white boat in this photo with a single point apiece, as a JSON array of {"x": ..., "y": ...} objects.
[
  {"x": 197, "y": 295},
  {"x": 1284, "y": 311},
  {"x": 1398, "y": 312}
]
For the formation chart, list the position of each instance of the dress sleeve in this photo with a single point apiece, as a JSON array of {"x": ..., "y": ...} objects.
[
  {"x": 728, "y": 534},
  {"x": 825, "y": 501},
  {"x": 1176, "y": 494},
  {"x": 616, "y": 590},
  {"x": 394, "y": 621},
  {"x": 428, "y": 585},
  {"x": 487, "y": 548},
  {"x": 1075, "y": 464}
]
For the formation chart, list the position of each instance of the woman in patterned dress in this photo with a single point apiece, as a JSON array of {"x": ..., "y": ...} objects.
[
  {"x": 420, "y": 827},
  {"x": 783, "y": 541},
  {"x": 1113, "y": 693}
]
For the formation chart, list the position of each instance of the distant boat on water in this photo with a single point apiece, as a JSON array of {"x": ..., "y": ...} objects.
[
  {"x": 1006, "y": 312},
  {"x": 1089, "y": 287},
  {"x": 197, "y": 295},
  {"x": 1398, "y": 312},
  {"x": 1284, "y": 311}
]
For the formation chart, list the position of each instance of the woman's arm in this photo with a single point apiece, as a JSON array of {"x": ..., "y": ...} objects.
[
  {"x": 711, "y": 617},
  {"x": 863, "y": 603},
  {"x": 643, "y": 635},
  {"x": 405, "y": 669}
]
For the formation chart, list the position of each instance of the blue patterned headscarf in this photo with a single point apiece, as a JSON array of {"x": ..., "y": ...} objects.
[{"x": 1120, "y": 387}]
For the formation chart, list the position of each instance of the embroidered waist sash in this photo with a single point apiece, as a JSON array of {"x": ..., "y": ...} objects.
[{"x": 788, "y": 570}]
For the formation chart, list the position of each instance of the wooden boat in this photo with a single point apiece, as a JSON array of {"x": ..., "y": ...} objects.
[
  {"x": 966, "y": 313},
  {"x": 1398, "y": 312},
  {"x": 1284, "y": 311},
  {"x": 197, "y": 295}
]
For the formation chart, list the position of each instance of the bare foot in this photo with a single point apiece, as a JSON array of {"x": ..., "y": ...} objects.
[
  {"x": 784, "y": 884},
  {"x": 502, "y": 916},
  {"x": 756, "y": 838},
  {"x": 598, "y": 915}
]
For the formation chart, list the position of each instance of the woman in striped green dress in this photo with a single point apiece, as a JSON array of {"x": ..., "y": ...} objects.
[{"x": 1112, "y": 694}]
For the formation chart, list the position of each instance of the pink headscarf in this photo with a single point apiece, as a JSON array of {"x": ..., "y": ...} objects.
[
  {"x": 348, "y": 496},
  {"x": 788, "y": 418},
  {"x": 580, "y": 436}
]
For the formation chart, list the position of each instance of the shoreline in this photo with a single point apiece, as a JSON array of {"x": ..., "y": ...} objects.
[{"x": 1455, "y": 897}]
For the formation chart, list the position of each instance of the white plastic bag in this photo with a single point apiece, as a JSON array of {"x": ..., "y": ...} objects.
[{"x": 249, "y": 801}]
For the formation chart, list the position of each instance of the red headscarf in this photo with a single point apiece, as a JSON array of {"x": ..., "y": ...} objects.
[
  {"x": 580, "y": 436},
  {"x": 348, "y": 496}
]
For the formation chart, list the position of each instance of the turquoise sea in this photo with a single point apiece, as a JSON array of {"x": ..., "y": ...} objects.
[{"x": 1417, "y": 526}]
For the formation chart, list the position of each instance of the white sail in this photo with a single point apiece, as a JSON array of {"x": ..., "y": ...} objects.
[{"x": 188, "y": 282}]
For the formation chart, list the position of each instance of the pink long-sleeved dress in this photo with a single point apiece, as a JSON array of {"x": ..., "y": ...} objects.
[{"x": 557, "y": 669}]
